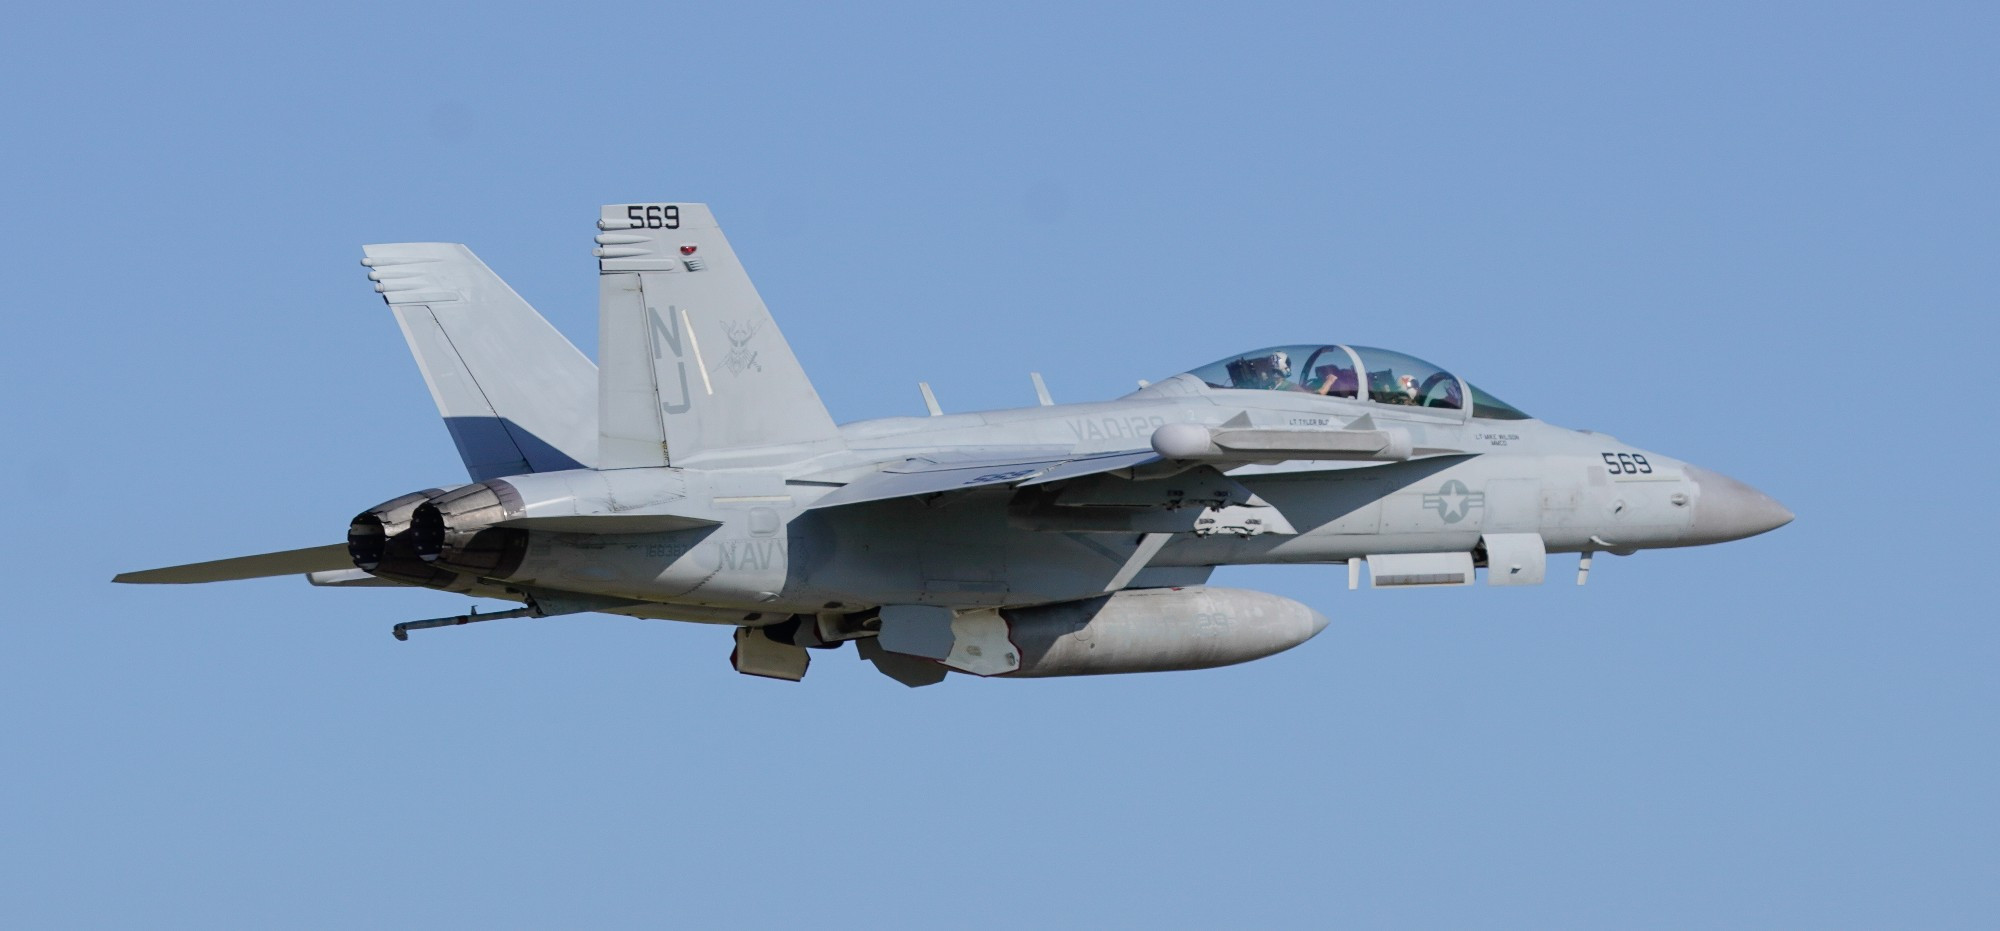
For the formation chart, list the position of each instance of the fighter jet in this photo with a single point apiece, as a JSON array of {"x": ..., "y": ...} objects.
[{"x": 693, "y": 474}]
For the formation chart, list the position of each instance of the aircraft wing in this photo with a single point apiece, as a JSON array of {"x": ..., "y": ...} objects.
[
  {"x": 262, "y": 566},
  {"x": 940, "y": 474}
]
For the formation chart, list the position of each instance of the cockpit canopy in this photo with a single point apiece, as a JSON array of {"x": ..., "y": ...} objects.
[{"x": 1356, "y": 372}]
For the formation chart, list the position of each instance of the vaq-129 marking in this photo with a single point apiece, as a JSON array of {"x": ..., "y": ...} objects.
[{"x": 694, "y": 475}]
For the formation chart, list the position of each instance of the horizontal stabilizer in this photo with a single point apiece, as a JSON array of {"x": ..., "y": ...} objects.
[
  {"x": 266, "y": 565},
  {"x": 351, "y": 578},
  {"x": 929, "y": 477}
]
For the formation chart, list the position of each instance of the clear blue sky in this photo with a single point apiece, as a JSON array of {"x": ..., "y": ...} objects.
[{"x": 1762, "y": 240}]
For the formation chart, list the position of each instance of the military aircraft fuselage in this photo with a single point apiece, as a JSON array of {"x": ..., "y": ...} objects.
[
  {"x": 693, "y": 474},
  {"x": 771, "y": 551}
]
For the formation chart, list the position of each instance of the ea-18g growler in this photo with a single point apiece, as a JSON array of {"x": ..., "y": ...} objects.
[{"x": 694, "y": 475}]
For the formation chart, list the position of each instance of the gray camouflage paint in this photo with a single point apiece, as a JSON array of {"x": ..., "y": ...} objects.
[{"x": 716, "y": 489}]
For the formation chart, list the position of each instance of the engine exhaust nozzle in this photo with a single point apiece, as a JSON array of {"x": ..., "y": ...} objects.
[
  {"x": 370, "y": 534},
  {"x": 456, "y": 531}
]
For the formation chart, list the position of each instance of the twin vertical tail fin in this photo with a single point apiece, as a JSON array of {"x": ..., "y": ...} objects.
[
  {"x": 515, "y": 394},
  {"x": 690, "y": 362}
]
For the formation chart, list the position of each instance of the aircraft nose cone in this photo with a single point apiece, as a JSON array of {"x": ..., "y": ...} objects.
[{"x": 1726, "y": 509}]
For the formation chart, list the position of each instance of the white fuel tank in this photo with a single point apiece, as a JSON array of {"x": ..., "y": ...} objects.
[{"x": 1156, "y": 629}]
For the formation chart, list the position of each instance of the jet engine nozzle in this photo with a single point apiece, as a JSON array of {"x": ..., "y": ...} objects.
[
  {"x": 367, "y": 541},
  {"x": 456, "y": 531},
  {"x": 380, "y": 542},
  {"x": 369, "y": 534}
]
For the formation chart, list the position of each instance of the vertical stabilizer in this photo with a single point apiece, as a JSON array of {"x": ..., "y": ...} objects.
[
  {"x": 689, "y": 360},
  {"x": 516, "y": 395}
]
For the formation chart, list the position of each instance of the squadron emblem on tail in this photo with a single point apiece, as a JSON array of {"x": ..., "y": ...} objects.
[{"x": 741, "y": 357}]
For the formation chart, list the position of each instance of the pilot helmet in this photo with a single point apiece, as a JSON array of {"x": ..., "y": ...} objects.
[{"x": 1274, "y": 369}]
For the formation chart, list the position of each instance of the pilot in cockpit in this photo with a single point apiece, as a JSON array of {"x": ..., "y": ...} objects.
[
  {"x": 1336, "y": 381},
  {"x": 1264, "y": 372}
]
